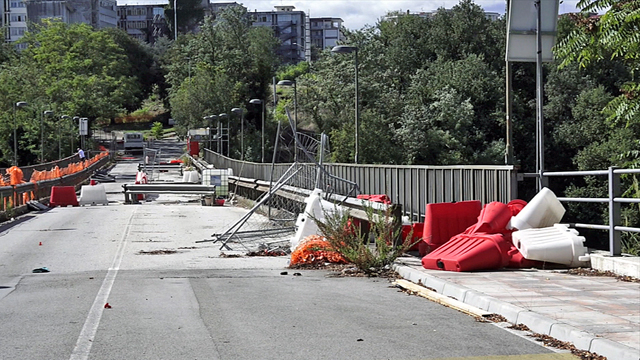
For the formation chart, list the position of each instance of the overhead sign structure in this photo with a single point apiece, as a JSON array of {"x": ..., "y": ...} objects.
[{"x": 522, "y": 29}]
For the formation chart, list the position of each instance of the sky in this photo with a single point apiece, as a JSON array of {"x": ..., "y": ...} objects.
[{"x": 358, "y": 13}]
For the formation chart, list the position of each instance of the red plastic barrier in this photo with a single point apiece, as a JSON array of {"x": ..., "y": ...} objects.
[
  {"x": 417, "y": 228},
  {"x": 516, "y": 206},
  {"x": 444, "y": 220},
  {"x": 63, "y": 196},
  {"x": 194, "y": 147},
  {"x": 469, "y": 252},
  {"x": 518, "y": 261},
  {"x": 493, "y": 218},
  {"x": 376, "y": 198}
]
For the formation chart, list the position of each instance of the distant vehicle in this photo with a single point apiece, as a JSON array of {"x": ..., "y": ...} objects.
[{"x": 133, "y": 141}]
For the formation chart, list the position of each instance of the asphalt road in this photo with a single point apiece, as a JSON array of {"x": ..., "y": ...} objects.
[{"x": 172, "y": 298}]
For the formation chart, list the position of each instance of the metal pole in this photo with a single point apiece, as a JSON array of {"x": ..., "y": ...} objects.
[
  {"x": 273, "y": 164},
  {"x": 175, "y": 21},
  {"x": 357, "y": 108},
  {"x": 541, "y": 182},
  {"x": 615, "y": 248},
  {"x": 509, "y": 99},
  {"x": 41, "y": 137},
  {"x": 295, "y": 121},
  {"x": 263, "y": 110},
  {"x": 15, "y": 137}
]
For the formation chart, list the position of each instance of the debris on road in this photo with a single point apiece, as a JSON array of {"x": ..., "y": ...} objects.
[
  {"x": 41, "y": 270},
  {"x": 157, "y": 252}
]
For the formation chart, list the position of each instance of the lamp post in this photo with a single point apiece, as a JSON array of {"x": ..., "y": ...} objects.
[
  {"x": 175, "y": 21},
  {"x": 295, "y": 113},
  {"x": 62, "y": 117},
  {"x": 76, "y": 119},
  {"x": 17, "y": 105},
  {"x": 256, "y": 102},
  {"x": 341, "y": 49},
  {"x": 44, "y": 113},
  {"x": 220, "y": 141},
  {"x": 239, "y": 111},
  {"x": 209, "y": 119}
]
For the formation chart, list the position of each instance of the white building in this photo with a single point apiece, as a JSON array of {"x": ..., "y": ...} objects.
[
  {"x": 143, "y": 19},
  {"x": 17, "y": 13}
]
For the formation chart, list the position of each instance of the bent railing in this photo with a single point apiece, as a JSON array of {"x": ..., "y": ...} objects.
[{"x": 411, "y": 186}]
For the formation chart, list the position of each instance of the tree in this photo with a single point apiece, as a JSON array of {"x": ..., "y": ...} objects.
[
  {"x": 70, "y": 69},
  {"x": 612, "y": 35}
]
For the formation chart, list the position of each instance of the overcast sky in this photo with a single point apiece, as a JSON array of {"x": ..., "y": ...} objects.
[{"x": 358, "y": 13}]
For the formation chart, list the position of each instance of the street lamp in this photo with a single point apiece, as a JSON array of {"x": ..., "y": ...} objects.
[
  {"x": 295, "y": 113},
  {"x": 209, "y": 119},
  {"x": 62, "y": 117},
  {"x": 44, "y": 113},
  {"x": 76, "y": 119},
  {"x": 256, "y": 102},
  {"x": 239, "y": 111},
  {"x": 341, "y": 49},
  {"x": 175, "y": 21},
  {"x": 19, "y": 104},
  {"x": 220, "y": 117}
]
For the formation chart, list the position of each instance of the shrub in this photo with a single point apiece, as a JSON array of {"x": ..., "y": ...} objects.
[
  {"x": 156, "y": 130},
  {"x": 370, "y": 251}
]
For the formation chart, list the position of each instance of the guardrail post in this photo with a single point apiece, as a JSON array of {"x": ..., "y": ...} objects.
[{"x": 615, "y": 248}]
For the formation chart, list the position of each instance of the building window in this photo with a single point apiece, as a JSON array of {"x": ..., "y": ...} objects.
[
  {"x": 18, "y": 4},
  {"x": 18, "y": 31}
]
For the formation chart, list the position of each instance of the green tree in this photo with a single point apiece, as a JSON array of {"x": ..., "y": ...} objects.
[
  {"x": 73, "y": 70},
  {"x": 612, "y": 35}
]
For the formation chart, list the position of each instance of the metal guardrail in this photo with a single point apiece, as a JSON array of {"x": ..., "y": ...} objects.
[
  {"x": 614, "y": 200},
  {"x": 411, "y": 186},
  {"x": 194, "y": 189}
]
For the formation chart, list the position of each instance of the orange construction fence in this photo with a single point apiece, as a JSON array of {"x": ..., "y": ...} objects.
[{"x": 16, "y": 176}]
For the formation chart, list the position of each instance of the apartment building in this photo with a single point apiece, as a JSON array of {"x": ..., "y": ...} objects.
[
  {"x": 143, "y": 19},
  {"x": 17, "y": 13},
  {"x": 289, "y": 25},
  {"x": 325, "y": 32}
]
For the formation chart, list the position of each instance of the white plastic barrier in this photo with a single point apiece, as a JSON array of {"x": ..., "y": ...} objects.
[
  {"x": 542, "y": 211},
  {"x": 93, "y": 195},
  {"x": 557, "y": 244},
  {"x": 305, "y": 226},
  {"x": 191, "y": 176}
]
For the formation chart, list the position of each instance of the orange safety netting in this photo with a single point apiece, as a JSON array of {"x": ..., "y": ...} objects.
[
  {"x": 315, "y": 249},
  {"x": 72, "y": 168}
]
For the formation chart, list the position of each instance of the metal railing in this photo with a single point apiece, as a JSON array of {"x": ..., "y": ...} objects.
[
  {"x": 16, "y": 195},
  {"x": 614, "y": 200},
  {"x": 411, "y": 186}
]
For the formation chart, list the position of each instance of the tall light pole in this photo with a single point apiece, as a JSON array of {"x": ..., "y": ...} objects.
[
  {"x": 44, "y": 113},
  {"x": 62, "y": 117},
  {"x": 341, "y": 49},
  {"x": 255, "y": 102},
  {"x": 175, "y": 21},
  {"x": 76, "y": 119},
  {"x": 17, "y": 105},
  {"x": 295, "y": 114},
  {"x": 220, "y": 117},
  {"x": 241, "y": 113}
]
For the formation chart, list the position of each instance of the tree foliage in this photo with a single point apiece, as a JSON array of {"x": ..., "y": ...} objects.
[{"x": 612, "y": 35}]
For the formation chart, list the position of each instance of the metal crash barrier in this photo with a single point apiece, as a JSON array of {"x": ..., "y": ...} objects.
[{"x": 185, "y": 189}]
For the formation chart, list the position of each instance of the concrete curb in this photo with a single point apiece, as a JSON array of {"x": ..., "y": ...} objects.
[{"x": 518, "y": 315}]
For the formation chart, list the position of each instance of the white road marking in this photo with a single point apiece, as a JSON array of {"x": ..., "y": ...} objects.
[{"x": 85, "y": 340}]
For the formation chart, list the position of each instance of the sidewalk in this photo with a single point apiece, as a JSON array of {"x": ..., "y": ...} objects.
[{"x": 599, "y": 314}]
